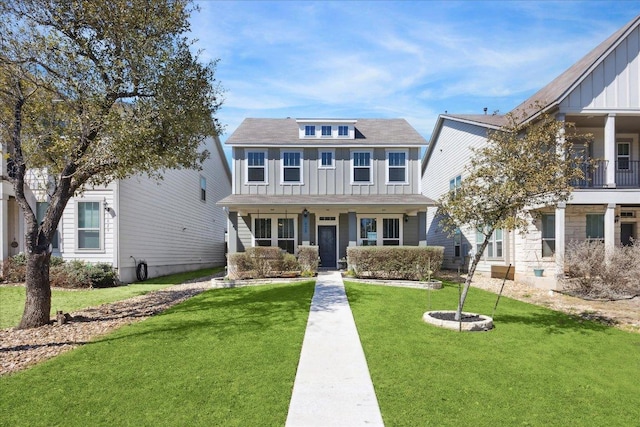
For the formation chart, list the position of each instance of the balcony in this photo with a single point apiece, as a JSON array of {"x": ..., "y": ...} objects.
[{"x": 595, "y": 175}]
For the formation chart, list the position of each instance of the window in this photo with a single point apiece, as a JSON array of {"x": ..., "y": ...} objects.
[
  {"x": 457, "y": 241},
  {"x": 494, "y": 247},
  {"x": 286, "y": 234},
  {"x": 262, "y": 231},
  {"x": 548, "y": 235},
  {"x": 455, "y": 183},
  {"x": 361, "y": 167},
  {"x": 88, "y": 225},
  {"x": 623, "y": 156},
  {"x": 326, "y": 130},
  {"x": 368, "y": 232},
  {"x": 326, "y": 159},
  {"x": 396, "y": 167},
  {"x": 391, "y": 232},
  {"x": 309, "y": 130},
  {"x": 291, "y": 167},
  {"x": 595, "y": 227},
  {"x": 203, "y": 188},
  {"x": 343, "y": 130},
  {"x": 256, "y": 166},
  {"x": 41, "y": 209}
]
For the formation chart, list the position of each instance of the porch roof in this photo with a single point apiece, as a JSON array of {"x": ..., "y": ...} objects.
[{"x": 402, "y": 201}]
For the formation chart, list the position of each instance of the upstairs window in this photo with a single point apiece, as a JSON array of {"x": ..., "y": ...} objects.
[
  {"x": 326, "y": 130},
  {"x": 455, "y": 183},
  {"x": 291, "y": 167},
  {"x": 343, "y": 130},
  {"x": 203, "y": 188},
  {"x": 327, "y": 159},
  {"x": 256, "y": 166},
  {"x": 623, "y": 156},
  {"x": 361, "y": 167},
  {"x": 309, "y": 130},
  {"x": 396, "y": 167}
]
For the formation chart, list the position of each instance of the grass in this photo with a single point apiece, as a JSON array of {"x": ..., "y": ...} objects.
[
  {"x": 536, "y": 368},
  {"x": 225, "y": 357},
  {"x": 12, "y": 297}
]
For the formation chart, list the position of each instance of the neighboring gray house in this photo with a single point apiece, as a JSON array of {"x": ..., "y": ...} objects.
[
  {"x": 173, "y": 225},
  {"x": 600, "y": 94},
  {"x": 328, "y": 182}
]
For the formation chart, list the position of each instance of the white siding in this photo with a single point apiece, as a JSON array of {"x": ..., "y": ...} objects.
[
  {"x": 613, "y": 84},
  {"x": 166, "y": 223}
]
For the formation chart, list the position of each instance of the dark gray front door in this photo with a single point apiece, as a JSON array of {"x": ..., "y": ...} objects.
[
  {"x": 626, "y": 233},
  {"x": 327, "y": 244}
]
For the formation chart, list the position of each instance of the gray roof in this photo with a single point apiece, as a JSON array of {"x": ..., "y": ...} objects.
[
  {"x": 553, "y": 93},
  {"x": 415, "y": 200},
  {"x": 258, "y": 131},
  {"x": 491, "y": 120}
]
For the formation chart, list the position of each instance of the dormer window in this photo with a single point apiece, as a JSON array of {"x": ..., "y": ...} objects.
[
  {"x": 309, "y": 130},
  {"x": 343, "y": 130},
  {"x": 326, "y": 130}
]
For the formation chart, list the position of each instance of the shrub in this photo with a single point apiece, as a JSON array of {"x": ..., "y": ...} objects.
[
  {"x": 308, "y": 259},
  {"x": 265, "y": 259},
  {"x": 395, "y": 262},
  {"x": 289, "y": 263},
  {"x": 261, "y": 262},
  {"x": 589, "y": 272},
  {"x": 14, "y": 268}
]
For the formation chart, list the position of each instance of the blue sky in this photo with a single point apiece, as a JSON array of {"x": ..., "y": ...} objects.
[{"x": 389, "y": 59}]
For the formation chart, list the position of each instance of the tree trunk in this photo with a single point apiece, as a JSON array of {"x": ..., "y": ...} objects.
[
  {"x": 472, "y": 270},
  {"x": 37, "y": 307}
]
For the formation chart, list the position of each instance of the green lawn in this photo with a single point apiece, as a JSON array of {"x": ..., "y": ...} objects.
[
  {"x": 536, "y": 368},
  {"x": 226, "y": 357},
  {"x": 12, "y": 297}
]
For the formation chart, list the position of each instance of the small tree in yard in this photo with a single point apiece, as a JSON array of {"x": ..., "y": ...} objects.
[
  {"x": 92, "y": 91},
  {"x": 524, "y": 165}
]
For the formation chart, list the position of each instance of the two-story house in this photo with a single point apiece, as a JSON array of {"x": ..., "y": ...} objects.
[
  {"x": 171, "y": 226},
  {"x": 333, "y": 183},
  {"x": 600, "y": 94}
]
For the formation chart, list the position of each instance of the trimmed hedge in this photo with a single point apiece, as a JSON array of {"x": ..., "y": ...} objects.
[
  {"x": 394, "y": 262},
  {"x": 271, "y": 261}
]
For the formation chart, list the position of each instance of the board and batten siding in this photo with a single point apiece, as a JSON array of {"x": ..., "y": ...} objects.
[
  {"x": 614, "y": 84},
  {"x": 166, "y": 224},
  {"x": 320, "y": 181}
]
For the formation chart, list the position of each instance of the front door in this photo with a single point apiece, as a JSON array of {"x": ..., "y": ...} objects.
[
  {"x": 327, "y": 246},
  {"x": 626, "y": 233}
]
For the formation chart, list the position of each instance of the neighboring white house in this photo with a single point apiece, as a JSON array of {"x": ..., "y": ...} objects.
[
  {"x": 328, "y": 182},
  {"x": 172, "y": 225},
  {"x": 601, "y": 95}
]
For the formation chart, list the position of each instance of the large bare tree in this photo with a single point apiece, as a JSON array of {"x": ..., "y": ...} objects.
[
  {"x": 92, "y": 91},
  {"x": 524, "y": 166}
]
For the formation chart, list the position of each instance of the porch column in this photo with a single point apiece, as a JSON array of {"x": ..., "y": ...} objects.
[
  {"x": 353, "y": 229},
  {"x": 610, "y": 149},
  {"x": 422, "y": 229},
  {"x": 306, "y": 234},
  {"x": 560, "y": 240},
  {"x": 4, "y": 226},
  {"x": 232, "y": 233},
  {"x": 609, "y": 229}
]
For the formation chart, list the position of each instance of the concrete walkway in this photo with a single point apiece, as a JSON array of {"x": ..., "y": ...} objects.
[{"x": 333, "y": 386}]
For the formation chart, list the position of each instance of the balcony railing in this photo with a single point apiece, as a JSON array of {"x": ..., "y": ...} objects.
[
  {"x": 628, "y": 174},
  {"x": 595, "y": 175}
]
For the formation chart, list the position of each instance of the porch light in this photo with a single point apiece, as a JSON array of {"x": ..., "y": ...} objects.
[{"x": 305, "y": 212}]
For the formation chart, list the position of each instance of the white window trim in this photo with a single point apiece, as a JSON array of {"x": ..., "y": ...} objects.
[
  {"x": 203, "y": 200},
  {"x": 274, "y": 228},
  {"x": 349, "y": 132},
  {"x": 333, "y": 158},
  {"x": 352, "y": 168},
  {"x": 301, "y": 167},
  {"x": 315, "y": 131},
  {"x": 406, "y": 167},
  {"x": 455, "y": 185},
  {"x": 379, "y": 231},
  {"x": 330, "y": 131},
  {"x": 628, "y": 143},
  {"x": 492, "y": 244},
  {"x": 246, "y": 168},
  {"x": 77, "y": 230}
]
